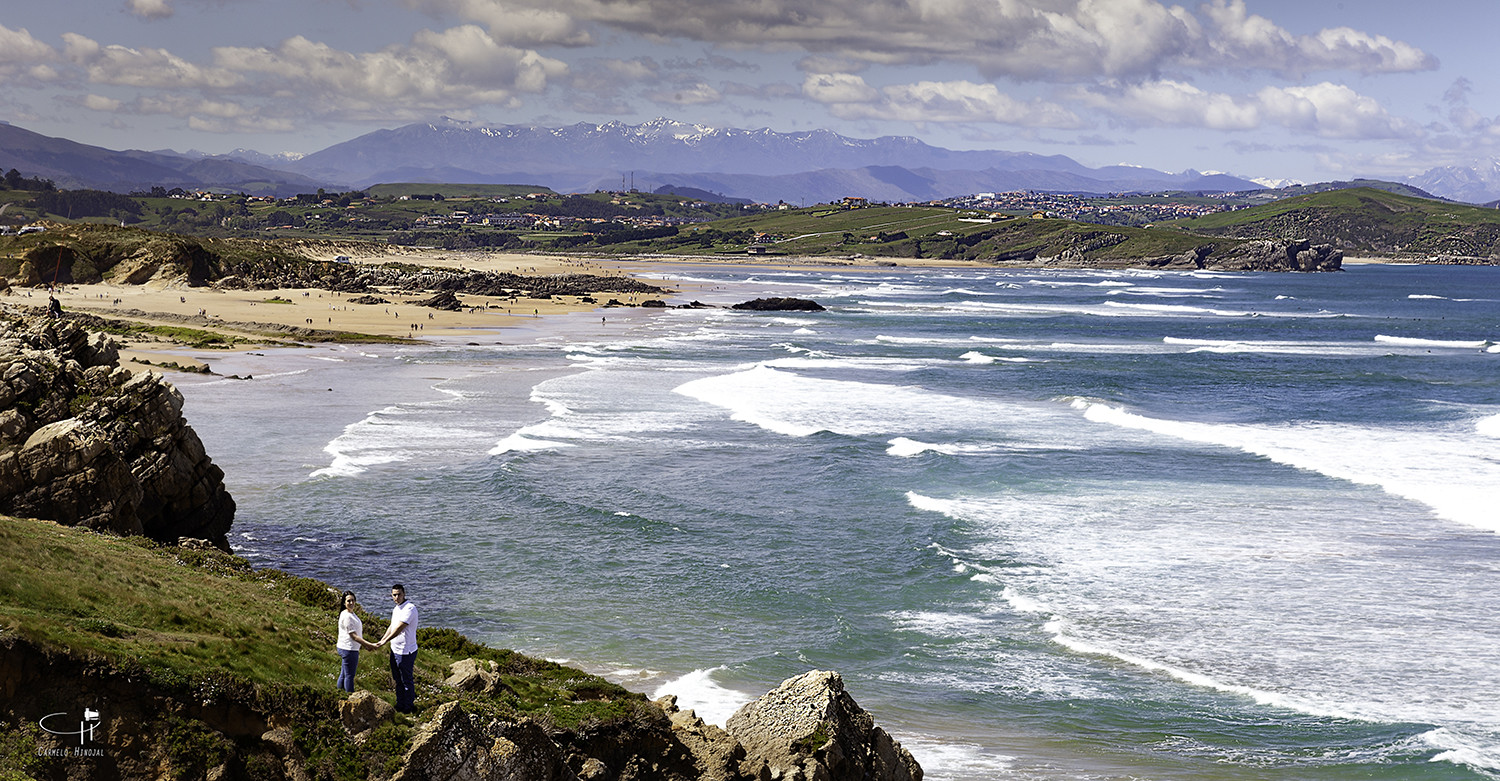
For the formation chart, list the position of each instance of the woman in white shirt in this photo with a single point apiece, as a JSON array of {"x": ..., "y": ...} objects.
[{"x": 350, "y": 640}]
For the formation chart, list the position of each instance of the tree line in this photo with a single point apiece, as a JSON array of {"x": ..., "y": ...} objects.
[{"x": 14, "y": 181}]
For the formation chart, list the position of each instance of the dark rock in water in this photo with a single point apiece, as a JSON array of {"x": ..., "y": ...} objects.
[
  {"x": 654, "y": 303},
  {"x": 780, "y": 305},
  {"x": 696, "y": 305},
  {"x": 368, "y": 300},
  {"x": 84, "y": 442},
  {"x": 445, "y": 301}
]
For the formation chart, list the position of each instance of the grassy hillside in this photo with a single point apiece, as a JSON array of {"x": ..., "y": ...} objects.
[
  {"x": 1365, "y": 220},
  {"x": 398, "y": 189},
  {"x": 200, "y": 625},
  {"x": 919, "y": 232}
]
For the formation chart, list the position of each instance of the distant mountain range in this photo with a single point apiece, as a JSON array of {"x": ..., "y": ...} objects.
[
  {"x": 761, "y": 165},
  {"x": 72, "y": 165},
  {"x": 1477, "y": 183},
  {"x": 659, "y": 155}
]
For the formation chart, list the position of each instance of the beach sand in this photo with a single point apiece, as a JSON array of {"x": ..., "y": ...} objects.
[{"x": 260, "y": 318}]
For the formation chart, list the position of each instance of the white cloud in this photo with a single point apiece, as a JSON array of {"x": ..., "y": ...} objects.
[
  {"x": 21, "y": 54},
  {"x": 101, "y": 103},
  {"x": 1055, "y": 40},
  {"x": 1241, "y": 39},
  {"x": 1332, "y": 111},
  {"x": 449, "y": 71},
  {"x": 688, "y": 95},
  {"x": 149, "y": 9},
  {"x": 155, "y": 68},
  {"x": 849, "y": 97},
  {"x": 1326, "y": 109},
  {"x": 440, "y": 71},
  {"x": 838, "y": 88},
  {"x": 543, "y": 25}
]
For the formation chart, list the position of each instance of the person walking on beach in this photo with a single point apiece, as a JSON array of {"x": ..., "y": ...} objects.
[
  {"x": 402, "y": 635},
  {"x": 351, "y": 639}
]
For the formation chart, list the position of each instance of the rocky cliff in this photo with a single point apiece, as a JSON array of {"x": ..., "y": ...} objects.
[
  {"x": 1266, "y": 255},
  {"x": 806, "y": 729},
  {"x": 84, "y": 442}
]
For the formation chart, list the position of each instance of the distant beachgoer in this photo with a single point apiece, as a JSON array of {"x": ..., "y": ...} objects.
[
  {"x": 351, "y": 639},
  {"x": 54, "y": 307},
  {"x": 402, "y": 635}
]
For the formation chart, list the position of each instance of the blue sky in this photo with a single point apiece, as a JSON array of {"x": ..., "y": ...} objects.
[{"x": 1308, "y": 90}]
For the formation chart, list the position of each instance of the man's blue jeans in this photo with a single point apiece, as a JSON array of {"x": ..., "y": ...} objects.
[
  {"x": 347, "y": 668},
  {"x": 403, "y": 672}
]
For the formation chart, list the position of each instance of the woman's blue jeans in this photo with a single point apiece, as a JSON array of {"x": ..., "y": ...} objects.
[{"x": 349, "y": 664}]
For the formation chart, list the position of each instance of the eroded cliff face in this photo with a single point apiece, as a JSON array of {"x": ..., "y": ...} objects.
[
  {"x": 1258, "y": 255},
  {"x": 84, "y": 442}
]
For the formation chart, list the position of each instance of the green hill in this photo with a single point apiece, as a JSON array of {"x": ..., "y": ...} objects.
[
  {"x": 190, "y": 655},
  {"x": 923, "y": 232},
  {"x": 398, "y": 189},
  {"x": 1365, "y": 220}
]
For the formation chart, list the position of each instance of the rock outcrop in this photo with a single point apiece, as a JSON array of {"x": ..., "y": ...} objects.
[
  {"x": 84, "y": 442},
  {"x": 810, "y": 729},
  {"x": 779, "y": 305},
  {"x": 1280, "y": 256},
  {"x": 1258, "y": 255},
  {"x": 807, "y": 729}
]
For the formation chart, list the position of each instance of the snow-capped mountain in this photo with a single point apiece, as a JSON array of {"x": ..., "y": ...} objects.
[
  {"x": 278, "y": 160},
  {"x": 1475, "y": 183},
  {"x": 664, "y": 151}
]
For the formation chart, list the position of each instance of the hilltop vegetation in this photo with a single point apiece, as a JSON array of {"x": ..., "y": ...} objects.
[
  {"x": 919, "y": 232},
  {"x": 1367, "y": 220},
  {"x": 216, "y": 652},
  {"x": 452, "y": 216}
]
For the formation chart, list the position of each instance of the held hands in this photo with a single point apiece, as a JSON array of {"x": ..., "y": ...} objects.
[{"x": 366, "y": 643}]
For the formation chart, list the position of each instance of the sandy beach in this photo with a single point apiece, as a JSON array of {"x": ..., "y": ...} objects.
[{"x": 259, "y": 318}]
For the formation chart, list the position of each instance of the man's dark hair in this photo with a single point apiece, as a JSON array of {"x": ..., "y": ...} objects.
[{"x": 398, "y": 587}]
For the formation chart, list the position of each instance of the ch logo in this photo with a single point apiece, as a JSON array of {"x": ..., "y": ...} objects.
[{"x": 85, "y": 730}]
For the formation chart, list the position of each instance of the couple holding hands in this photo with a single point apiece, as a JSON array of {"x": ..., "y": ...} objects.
[{"x": 402, "y": 636}]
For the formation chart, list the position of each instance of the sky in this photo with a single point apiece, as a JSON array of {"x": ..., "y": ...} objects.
[{"x": 1307, "y": 90}]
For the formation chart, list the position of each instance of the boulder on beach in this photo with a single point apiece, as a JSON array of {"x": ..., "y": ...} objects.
[{"x": 444, "y": 300}]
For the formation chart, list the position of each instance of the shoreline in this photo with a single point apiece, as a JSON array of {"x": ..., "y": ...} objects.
[{"x": 292, "y": 317}]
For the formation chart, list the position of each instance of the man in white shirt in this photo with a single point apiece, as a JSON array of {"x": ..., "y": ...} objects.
[{"x": 402, "y": 635}]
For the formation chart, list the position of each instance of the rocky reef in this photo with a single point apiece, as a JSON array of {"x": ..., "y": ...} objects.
[
  {"x": 779, "y": 305},
  {"x": 84, "y": 442}
]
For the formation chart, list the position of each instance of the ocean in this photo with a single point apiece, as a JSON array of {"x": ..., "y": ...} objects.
[{"x": 1047, "y": 524}]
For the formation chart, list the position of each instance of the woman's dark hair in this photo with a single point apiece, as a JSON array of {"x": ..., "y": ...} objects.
[{"x": 344, "y": 598}]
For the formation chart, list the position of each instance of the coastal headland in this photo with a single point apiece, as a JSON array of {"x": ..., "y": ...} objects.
[{"x": 132, "y": 646}]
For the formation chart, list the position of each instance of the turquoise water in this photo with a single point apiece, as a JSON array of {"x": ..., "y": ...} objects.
[{"x": 1049, "y": 525}]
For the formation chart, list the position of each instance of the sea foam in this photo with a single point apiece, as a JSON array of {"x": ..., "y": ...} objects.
[
  {"x": 699, "y": 692},
  {"x": 1446, "y": 470},
  {"x": 1405, "y": 341}
]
